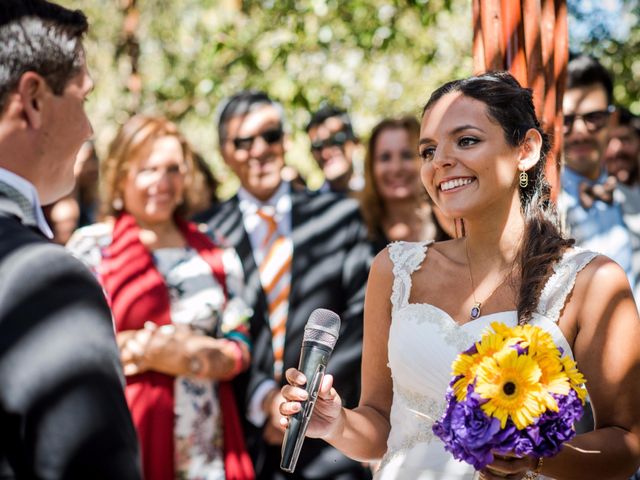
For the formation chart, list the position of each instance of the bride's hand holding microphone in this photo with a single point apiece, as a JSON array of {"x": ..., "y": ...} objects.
[
  {"x": 326, "y": 417},
  {"x": 316, "y": 409}
]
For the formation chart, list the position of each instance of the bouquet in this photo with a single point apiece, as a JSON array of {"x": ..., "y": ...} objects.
[{"x": 512, "y": 392}]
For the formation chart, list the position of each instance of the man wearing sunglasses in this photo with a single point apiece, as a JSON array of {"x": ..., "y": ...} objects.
[
  {"x": 300, "y": 251},
  {"x": 590, "y": 201},
  {"x": 333, "y": 145}
]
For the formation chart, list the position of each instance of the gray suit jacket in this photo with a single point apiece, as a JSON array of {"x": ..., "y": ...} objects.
[
  {"x": 62, "y": 408},
  {"x": 330, "y": 264}
]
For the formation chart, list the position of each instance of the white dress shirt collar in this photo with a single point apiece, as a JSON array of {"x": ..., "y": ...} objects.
[
  {"x": 279, "y": 203},
  {"x": 27, "y": 190}
]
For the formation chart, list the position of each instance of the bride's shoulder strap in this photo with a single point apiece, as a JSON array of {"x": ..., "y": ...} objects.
[
  {"x": 560, "y": 284},
  {"x": 406, "y": 258}
]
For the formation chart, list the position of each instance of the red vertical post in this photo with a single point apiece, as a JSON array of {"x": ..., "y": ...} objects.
[
  {"x": 513, "y": 33},
  {"x": 478, "y": 42},
  {"x": 492, "y": 37},
  {"x": 561, "y": 59},
  {"x": 530, "y": 39},
  {"x": 531, "y": 14}
]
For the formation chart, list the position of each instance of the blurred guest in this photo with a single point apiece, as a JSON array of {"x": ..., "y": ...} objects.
[
  {"x": 333, "y": 144},
  {"x": 592, "y": 214},
  {"x": 63, "y": 217},
  {"x": 181, "y": 326},
  {"x": 300, "y": 251},
  {"x": 204, "y": 187},
  {"x": 622, "y": 154},
  {"x": 86, "y": 171},
  {"x": 394, "y": 203},
  {"x": 63, "y": 413}
]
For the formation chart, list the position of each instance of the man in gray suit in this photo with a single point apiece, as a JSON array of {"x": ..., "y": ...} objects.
[
  {"x": 300, "y": 251},
  {"x": 62, "y": 408}
]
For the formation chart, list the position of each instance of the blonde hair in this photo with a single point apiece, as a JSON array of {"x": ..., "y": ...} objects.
[
  {"x": 134, "y": 138},
  {"x": 371, "y": 203}
]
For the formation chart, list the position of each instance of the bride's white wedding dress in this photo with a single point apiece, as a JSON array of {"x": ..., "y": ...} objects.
[{"x": 423, "y": 342}]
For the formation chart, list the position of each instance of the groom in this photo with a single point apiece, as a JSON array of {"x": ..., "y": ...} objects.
[{"x": 62, "y": 408}]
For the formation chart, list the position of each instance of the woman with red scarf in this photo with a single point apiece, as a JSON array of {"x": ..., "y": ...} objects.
[{"x": 180, "y": 322}]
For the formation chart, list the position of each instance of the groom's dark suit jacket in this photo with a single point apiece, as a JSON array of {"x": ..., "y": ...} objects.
[
  {"x": 331, "y": 259},
  {"x": 62, "y": 408}
]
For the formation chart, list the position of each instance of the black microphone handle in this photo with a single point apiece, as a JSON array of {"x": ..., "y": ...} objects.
[{"x": 313, "y": 363}]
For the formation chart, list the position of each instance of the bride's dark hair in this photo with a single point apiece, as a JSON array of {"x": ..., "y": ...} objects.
[{"x": 511, "y": 105}]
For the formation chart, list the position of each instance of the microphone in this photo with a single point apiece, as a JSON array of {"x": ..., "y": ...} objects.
[{"x": 320, "y": 336}]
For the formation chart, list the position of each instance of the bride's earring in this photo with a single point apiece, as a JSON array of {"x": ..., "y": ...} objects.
[{"x": 524, "y": 179}]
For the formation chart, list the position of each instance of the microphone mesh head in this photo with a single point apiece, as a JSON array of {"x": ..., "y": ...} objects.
[{"x": 323, "y": 327}]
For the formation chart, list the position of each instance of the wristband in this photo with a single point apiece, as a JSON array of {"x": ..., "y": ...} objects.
[{"x": 532, "y": 475}]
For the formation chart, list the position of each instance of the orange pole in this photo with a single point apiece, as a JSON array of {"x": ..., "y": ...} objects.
[
  {"x": 530, "y": 39},
  {"x": 491, "y": 25},
  {"x": 512, "y": 31},
  {"x": 561, "y": 58},
  {"x": 531, "y": 14},
  {"x": 478, "y": 43}
]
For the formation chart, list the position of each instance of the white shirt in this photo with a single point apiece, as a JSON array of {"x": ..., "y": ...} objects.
[
  {"x": 28, "y": 191},
  {"x": 280, "y": 205}
]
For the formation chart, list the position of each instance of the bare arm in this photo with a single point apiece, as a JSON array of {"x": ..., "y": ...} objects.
[
  {"x": 178, "y": 350},
  {"x": 360, "y": 433},
  {"x": 602, "y": 318}
]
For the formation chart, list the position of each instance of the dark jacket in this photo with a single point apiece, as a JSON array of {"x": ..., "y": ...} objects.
[
  {"x": 331, "y": 259},
  {"x": 62, "y": 408}
]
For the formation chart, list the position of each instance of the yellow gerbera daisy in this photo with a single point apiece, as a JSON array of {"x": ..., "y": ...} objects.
[
  {"x": 511, "y": 385},
  {"x": 576, "y": 379},
  {"x": 539, "y": 341},
  {"x": 466, "y": 364},
  {"x": 553, "y": 378}
]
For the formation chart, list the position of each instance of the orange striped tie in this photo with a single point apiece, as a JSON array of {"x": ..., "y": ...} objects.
[{"x": 275, "y": 277}]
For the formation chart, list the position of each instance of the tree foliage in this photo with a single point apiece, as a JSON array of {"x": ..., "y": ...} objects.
[
  {"x": 374, "y": 57},
  {"x": 614, "y": 38}
]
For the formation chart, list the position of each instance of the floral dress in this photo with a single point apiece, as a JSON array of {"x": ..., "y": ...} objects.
[{"x": 198, "y": 301}]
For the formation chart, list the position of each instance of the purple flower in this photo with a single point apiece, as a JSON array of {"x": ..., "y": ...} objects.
[
  {"x": 557, "y": 427},
  {"x": 472, "y": 350},
  {"x": 520, "y": 349},
  {"x": 467, "y": 431},
  {"x": 472, "y": 436}
]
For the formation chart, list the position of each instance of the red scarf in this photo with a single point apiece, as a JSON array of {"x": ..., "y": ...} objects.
[{"x": 137, "y": 293}]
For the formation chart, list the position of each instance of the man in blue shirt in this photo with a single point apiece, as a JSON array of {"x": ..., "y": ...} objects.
[{"x": 592, "y": 213}]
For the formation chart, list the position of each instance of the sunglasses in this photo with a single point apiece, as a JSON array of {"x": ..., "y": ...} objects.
[
  {"x": 593, "y": 121},
  {"x": 269, "y": 136},
  {"x": 338, "y": 139}
]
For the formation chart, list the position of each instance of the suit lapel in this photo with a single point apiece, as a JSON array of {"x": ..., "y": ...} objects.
[
  {"x": 299, "y": 215},
  {"x": 228, "y": 224}
]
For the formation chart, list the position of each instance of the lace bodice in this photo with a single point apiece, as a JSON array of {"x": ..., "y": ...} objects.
[{"x": 423, "y": 342}]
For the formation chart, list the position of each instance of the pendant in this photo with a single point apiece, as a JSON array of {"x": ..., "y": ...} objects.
[{"x": 475, "y": 310}]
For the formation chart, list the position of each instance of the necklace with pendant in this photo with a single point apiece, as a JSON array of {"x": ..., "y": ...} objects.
[{"x": 476, "y": 309}]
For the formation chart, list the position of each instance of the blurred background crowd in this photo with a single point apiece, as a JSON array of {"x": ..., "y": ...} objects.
[{"x": 287, "y": 131}]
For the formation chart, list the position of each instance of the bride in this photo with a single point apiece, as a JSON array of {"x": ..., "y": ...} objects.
[{"x": 483, "y": 155}]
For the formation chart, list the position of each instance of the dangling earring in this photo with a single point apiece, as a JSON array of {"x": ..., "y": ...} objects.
[
  {"x": 117, "y": 204},
  {"x": 524, "y": 179}
]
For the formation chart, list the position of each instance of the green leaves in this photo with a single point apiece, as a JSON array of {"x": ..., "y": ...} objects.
[{"x": 374, "y": 57}]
